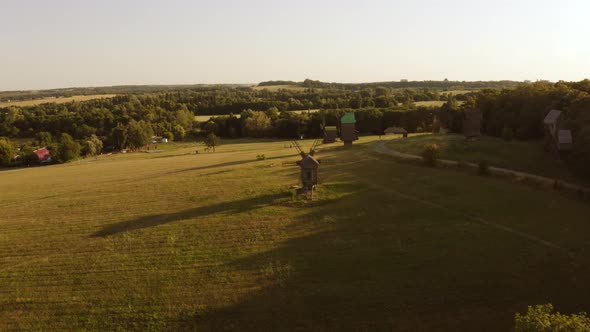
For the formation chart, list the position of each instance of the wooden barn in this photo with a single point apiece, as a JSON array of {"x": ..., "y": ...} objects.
[
  {"x": 472, "y": 123},
  {"x": 556, "y": 139},
  {"x": 348, "y": 129},
  {"x": 396, "y": 131}
]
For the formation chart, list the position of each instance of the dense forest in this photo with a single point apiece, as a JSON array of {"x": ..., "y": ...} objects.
[{"x": 131, "y": 119}]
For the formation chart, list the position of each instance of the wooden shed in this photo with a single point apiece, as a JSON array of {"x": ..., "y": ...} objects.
[
  {"x": 472, "y": 123},
  {"x": 348, "y": 129},
  {"x": 556, "y": 139},
  {"x": 396, "y": 131},
  {"x": 330, "y": 134}
]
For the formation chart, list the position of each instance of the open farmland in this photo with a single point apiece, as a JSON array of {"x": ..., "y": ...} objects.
[
  {"x": 58, "y": 100},
  {"x": 217, "y": 241}
]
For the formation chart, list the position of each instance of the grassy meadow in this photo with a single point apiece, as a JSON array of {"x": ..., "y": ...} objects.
[
  {"x": 58, "y": 100},
  {"x": 218, "y": 241},
  {"x": 525, "y": 156}
]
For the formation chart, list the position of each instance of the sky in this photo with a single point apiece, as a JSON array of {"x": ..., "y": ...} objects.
[{"x": 74, "y": 43}]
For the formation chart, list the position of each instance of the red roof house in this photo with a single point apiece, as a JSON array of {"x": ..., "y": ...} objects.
[{"x": 44, "y": 155}]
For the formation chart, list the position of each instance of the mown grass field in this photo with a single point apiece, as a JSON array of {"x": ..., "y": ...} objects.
[
  {"x": 525, "y": 156},
  {"x": 59, "y": 100},
  {"x": 217, "y": 241}
]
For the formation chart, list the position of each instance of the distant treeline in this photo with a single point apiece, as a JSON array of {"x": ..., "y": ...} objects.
[
  {"x": 118, "y": 89},
  {"x": 404, "y": 84},
  {"x": 128, "y": 121}
]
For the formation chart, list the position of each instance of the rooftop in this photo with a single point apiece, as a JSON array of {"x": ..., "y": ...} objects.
[
  {"x": 348, "y": 118},
  {"x": 552, "y": 117}
]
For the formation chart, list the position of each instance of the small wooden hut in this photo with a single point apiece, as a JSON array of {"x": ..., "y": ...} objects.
[
  {"x": 472, "y": 123},
  {"x": 396, "y": 131},
  {"x": 348, "y": 129},
  {"x": 330, "y": 134},
  {"x": 556, "y": 139}
]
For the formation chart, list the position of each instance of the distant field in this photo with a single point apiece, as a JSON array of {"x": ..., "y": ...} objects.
[
  {"x": 434, "y": 103},
  {"x": 526, "y": 156},
  {"x": 60, "y": 100},
  {"x": 431, "y": 103},
  {"x": 278, "y": 87},
  {"x": 218, "y": 242},
  {"x": 457, "y": 92},
  {"x": 205, "y": 118}
]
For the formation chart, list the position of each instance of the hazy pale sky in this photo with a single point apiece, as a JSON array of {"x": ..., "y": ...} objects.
[{"x": 65, "y": 43}]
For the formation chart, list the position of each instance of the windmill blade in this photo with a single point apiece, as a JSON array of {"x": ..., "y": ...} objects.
[
  {"x": 298, "y": 147},
  {"x": 315, "y": 144}
]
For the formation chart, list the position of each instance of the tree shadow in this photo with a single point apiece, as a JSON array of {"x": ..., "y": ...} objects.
[
  {"x": 229, "y": 207},
  {"x": 225, "y": 164}
]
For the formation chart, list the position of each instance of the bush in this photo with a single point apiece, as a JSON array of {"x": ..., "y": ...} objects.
[
  {"x": 542, "y": 318},
  {"x": 507, "y": 134},
  {"x": 260, "y": 157},
  {"x": 483, "y": 168},
  {"x": 430, "y": 154}
]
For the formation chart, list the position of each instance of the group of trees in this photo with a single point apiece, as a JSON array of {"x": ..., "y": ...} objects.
[{"x": 129, "y": 121}]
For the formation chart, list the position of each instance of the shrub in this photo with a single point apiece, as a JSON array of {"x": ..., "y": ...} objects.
[
  {"x": 260, "y": 157},
  {"x": 483, "y": 168},
  {"x": 507, "y": 134},
  {"x": 542, "y": 318},
  {"x": 430, "y": 154}
]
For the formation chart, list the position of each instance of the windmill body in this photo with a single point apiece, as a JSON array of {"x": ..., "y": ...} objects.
[{"x": 309, "y": 166}]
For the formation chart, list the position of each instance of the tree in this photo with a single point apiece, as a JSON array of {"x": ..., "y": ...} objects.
[
  {"x": 119, "y": 136},
  {"x": 43, "y": 139},
  {"x": 92, "y": 146},
  {"x": 139, "y": 134},
  {"x": 542, "y": 318},
  {"x": 67, "y": 149},
  {"x": 212, "y": 141},
  {"x": 257, "y": 125},
  {"x": 6, "y": 152},
  {"x": 179, "y": 132}
]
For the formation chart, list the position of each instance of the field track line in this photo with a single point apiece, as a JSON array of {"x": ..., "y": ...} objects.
[{"x": 474, "y": 218}]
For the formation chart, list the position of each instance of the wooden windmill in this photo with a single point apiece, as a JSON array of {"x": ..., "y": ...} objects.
[{"x": 309, "y": 168}]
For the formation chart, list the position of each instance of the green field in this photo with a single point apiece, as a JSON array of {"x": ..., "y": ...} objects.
[
  {"x": 524, "y": 156},
  {"x": 58, "y": 100},
  {"x": 218, "y": 241}
]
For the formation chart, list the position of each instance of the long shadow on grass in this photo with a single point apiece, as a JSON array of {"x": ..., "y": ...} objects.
[
  {"x": 226, "y": 164},
  {"x": 229, "y": 207},
  {"x": 374, "y": 263}
]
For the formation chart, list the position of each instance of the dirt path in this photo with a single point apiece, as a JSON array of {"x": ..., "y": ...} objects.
[
  {"x": 380, "y": 147},
  {"x": 383, "y": 149}
]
